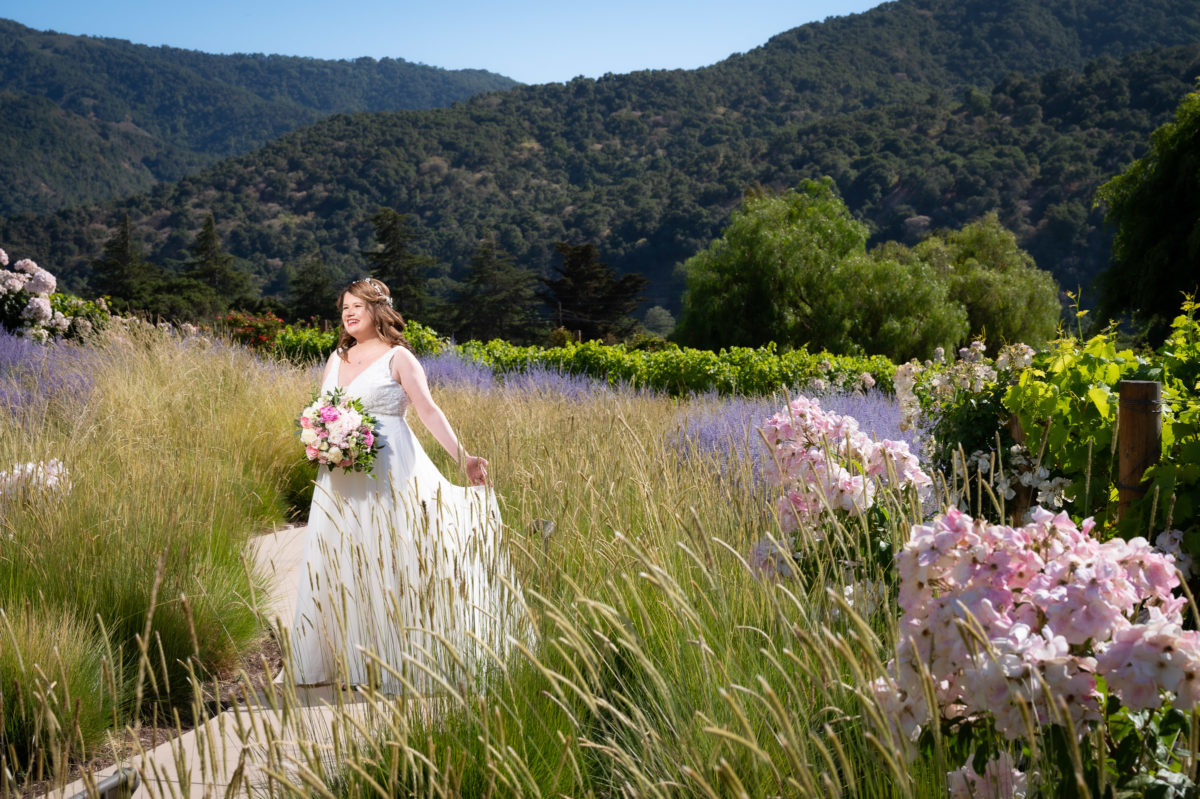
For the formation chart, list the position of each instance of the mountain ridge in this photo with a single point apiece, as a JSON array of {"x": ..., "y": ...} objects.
[
  {"x": 917, "y": 109},
  {"x": 197, "y": 107}
]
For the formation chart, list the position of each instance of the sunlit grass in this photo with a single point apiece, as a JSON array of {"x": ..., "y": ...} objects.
[
  {"x": 663, "y": 665},
  {"x": 178, "y": 452}
]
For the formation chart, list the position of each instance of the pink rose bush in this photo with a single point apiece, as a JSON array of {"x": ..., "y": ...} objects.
[
  {"x": 827, "y": 471},
  {"x": 1012, "y": 627},
  {"x": 337, "y": 432}
]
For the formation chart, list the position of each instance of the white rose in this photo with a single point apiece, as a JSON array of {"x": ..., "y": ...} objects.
[
  {"x": 334, "y": 455},
  {"x": 308, "y": 436}
]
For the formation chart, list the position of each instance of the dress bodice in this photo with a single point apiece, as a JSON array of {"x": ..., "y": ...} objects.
[{"x": 380, "y": 393}]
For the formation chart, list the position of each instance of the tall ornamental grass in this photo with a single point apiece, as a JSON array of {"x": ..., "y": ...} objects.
[
  {"x": 670, "y": 658},
  {"x": 175, "y": 451},
  {"x": 665, "y": 663}
]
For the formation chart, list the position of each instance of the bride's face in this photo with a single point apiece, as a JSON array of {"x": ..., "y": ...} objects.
[{"x": 357, "y": 317}]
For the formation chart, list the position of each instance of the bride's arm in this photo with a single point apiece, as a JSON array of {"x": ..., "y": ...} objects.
[{"x": 407, "y": 371}]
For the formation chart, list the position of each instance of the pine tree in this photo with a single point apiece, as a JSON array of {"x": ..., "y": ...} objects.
[
  {"x": 405, "y": 272},
  {"x": 215, "y": 268},
  {"x": 311, "y": 293},
  {"x": 497, "y": 298},
  {"x": 588, "y": 298},
  {"x": 121, "y": 274}
]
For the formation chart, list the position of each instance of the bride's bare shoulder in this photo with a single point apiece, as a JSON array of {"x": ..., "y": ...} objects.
[{"x": 403, "y": 361}]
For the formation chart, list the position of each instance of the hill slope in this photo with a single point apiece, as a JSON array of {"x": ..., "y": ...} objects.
[
  {"x": 132, "y": 115},
  {"x": 912, "y": 107}
]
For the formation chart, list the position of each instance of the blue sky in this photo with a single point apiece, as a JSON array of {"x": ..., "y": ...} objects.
[{"x": 534, "y": 41}]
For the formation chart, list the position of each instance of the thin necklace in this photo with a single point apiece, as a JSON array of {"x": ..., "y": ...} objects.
[{"x": 364, "y": 358}]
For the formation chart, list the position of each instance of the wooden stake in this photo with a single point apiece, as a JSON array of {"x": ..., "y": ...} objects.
[{"x": 1139, "y": 425}]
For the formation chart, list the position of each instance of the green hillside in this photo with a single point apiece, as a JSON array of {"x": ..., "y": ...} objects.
[
  {"x": 88, "y": 119},
  {"x": 926, "y": 113}
]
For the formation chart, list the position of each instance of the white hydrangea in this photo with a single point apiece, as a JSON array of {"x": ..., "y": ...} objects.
[
  {"x": 41, "y": 282},
  {"x": 38, "y": 311},
  {"x": 12, "y": 282}
]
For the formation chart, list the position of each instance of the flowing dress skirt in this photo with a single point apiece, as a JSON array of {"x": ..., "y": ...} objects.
[{"x": 405, "y": 585}]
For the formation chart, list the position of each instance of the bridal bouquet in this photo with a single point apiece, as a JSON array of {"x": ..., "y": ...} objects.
[{"x": 337, "y": 432}]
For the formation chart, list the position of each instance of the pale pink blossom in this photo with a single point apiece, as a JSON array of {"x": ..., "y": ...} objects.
[
  {"x": 41, "y": 282},
  {"x": 38, "y": 311},
  {"x": 1000, "y": 780},
  {"x": 1001, "y": 617},
  {"x": 12, "y": 282}
]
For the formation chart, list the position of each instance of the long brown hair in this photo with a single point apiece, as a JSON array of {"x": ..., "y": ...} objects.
[{"x": 389, "y": 324}]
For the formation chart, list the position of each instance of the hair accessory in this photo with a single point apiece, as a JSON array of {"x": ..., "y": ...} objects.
[{"x": 373, "y": 284}]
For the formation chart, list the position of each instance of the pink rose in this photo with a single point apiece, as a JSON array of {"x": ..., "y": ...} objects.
[
  {"x": 329, "y": 414},
  {"x": 305, "y": 422},
  {"x": 311, "y": 451}
]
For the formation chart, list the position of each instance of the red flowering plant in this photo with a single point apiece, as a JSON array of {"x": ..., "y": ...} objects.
[{"x": 257, "y": 332}]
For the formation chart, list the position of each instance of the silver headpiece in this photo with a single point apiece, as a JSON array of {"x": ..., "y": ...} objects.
[{"x": 373, "y": 284}]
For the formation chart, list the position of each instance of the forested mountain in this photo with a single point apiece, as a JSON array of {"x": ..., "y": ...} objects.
[
  {"x": 86, "y": 119},
  {"x": 926, "y": 113}
]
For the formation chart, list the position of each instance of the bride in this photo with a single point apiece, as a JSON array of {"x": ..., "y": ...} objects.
[{"x": 404, "y": 586}]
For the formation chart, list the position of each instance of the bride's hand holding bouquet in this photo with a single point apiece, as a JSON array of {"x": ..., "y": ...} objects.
[{"x": 337, "y": 432}]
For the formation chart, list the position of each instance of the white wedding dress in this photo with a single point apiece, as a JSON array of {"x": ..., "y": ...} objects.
[{"x": 405, "y": 584}]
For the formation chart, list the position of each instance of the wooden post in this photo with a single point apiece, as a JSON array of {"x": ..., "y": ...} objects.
[{"x": 1139, "y": 424}]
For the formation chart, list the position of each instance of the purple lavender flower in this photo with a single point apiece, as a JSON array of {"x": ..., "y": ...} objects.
[
  {"x": 547, "y": 381},
  {"x": 33, "y": 375},
  {"x": 448, "y": 368},
  {"x": 728, "y": 426}
]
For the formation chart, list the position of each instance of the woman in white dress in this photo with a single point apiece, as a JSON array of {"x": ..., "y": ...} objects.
[{"x": 405, "y": 585}]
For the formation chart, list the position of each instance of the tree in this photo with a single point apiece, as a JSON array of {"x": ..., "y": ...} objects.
[
  {"x": 405, "y": 272},
  {"x": 211, "y": 266},
  {"x": 121, "y": 274},
  {"x": 793, "y": 269},
  {"x": 768, "y": 276},
  {"x": 659, "y": 321},
  {"x": 1155, "y": 207},
  {"x": 901, "y": 310},
  {"x": 311, "y": 293},
  {"x": 587, "y": 297},
  {"x": 1006, "y": 297},
  {"x": 497, "y": 299}
]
